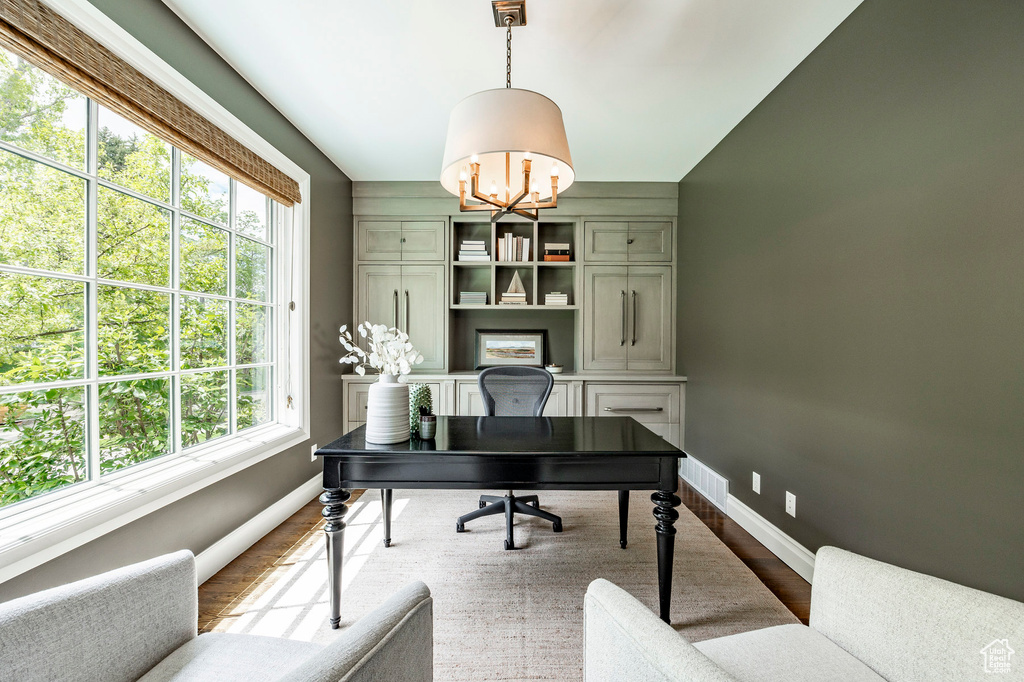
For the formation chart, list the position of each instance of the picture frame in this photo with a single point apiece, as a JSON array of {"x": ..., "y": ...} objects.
[{"x": 510, "y": 348}]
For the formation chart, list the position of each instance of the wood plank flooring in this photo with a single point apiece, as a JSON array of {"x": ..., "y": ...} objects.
[{"x": 253, "y": 568}]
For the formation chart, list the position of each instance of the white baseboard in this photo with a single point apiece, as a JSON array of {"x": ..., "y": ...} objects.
[
  {"x": 795, "y": 555},
  {"x": 225, "y": 550}
]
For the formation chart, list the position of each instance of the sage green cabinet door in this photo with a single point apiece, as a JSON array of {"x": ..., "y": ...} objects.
[
  {"x": 423, "y": 240},
  {"x": 650, "y": 318},
  {"x": 379, "y": 295},
  {"x": 649, "y": 242},
  {"x": 605, "y": 241},
  {"x": 605, "y": 317},
  {"x": 379, "y": 240},
  {"x": 424, "y": 314}
]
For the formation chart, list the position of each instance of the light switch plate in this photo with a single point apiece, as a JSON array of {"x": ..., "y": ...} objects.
[
  {"x": 757, "y": 483},
  {"x": 312, "y": 452}
]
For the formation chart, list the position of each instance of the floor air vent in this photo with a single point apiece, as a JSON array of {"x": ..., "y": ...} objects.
[{"x": 707, "y": 482}]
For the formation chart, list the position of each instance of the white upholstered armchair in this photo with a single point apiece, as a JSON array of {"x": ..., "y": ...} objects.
[
  {"x": 869, "y": 622},
  {"x": 139, "y": 623}
]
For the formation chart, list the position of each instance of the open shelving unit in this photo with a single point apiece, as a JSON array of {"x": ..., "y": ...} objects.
[{"x": 493, "y": 277}]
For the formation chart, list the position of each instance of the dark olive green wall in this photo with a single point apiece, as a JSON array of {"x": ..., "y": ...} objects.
[
  {"x": 852, "y": 293},
  {"x": 197, "y": 521}
]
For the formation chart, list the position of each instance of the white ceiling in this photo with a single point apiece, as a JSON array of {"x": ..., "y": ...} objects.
[{"x": 647, "y": 87}]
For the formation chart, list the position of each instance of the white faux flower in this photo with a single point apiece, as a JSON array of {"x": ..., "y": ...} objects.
[{"x": 390, "y": 351}]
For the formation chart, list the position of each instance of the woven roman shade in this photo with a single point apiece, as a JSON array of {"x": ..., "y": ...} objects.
[{"x": 44, "y": 38}]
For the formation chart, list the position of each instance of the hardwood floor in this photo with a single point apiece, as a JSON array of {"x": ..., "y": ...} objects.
[{"x": 252, "y": 570}]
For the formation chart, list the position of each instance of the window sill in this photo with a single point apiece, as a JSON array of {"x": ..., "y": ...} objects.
[{"x": 37, "y": 531}]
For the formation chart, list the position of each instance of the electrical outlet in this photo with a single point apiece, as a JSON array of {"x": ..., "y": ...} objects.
[
  {"x": 312, "y": 452},
  {"x": 757, "y": 483},
  {"x": 791, "y": 504}
]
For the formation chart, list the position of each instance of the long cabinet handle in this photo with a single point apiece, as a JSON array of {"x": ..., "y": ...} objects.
[
  {"x": 634, "y": 409},
  {"x": 396, "y": 309},
  {"x": 622, "y": 322},
  {"x": 407, "y": 326},
  {"x": 633, "y": 342}
]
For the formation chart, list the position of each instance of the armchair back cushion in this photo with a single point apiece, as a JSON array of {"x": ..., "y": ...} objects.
[
  {"x": 907, "y": 626},
  {"x": 110, "y": 628}
]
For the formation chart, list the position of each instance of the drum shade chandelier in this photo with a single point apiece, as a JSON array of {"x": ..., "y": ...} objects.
[{"x": 494, "y": 131}]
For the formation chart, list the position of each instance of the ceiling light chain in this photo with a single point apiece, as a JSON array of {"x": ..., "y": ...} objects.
[{"x": 508, "y": 52}]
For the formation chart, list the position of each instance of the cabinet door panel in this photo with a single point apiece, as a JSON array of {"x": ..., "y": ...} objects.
[
  {"x": 423, "y": 240},
  {"x": 650, "y": 242},
  {"x": 605, "y": 241},
  {"x": 651, "y": 320},
  {"x": 379, "y": 287},
  {"x": 379, "y": 240},
  {"x": 424, "y": 313},
  {"x": 605, "y": 322}
]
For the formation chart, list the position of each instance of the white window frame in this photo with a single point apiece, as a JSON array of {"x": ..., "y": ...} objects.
[{"x": 40, "y": 529}]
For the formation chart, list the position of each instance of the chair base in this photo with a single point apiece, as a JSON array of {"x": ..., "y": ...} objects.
[{"x": 509, "y": 505}]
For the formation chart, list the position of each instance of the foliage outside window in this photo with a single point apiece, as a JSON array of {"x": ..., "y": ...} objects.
[{"x": 135, "y": 292}]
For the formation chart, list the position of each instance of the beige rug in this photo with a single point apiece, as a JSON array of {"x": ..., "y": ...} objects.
[{"x": 508, "y": 615}]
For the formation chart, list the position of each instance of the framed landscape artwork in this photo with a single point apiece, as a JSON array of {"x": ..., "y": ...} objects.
[{"x": 501, "y": 348}]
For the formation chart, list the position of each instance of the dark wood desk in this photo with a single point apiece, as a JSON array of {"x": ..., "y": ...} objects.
[{"x": 519, "y": 453}]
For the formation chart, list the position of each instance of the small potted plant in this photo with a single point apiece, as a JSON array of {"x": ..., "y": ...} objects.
[{"x": 391, "y": 354}]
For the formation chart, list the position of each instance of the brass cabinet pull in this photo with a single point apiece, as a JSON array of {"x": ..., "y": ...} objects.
[
  {"x": 406, "y": 330},
  {"x": 634, "y": 409},
  {"x": 622, "y": 322},
  {"x": 396, "y": 309},
  {"x": 633, "y": 342}
]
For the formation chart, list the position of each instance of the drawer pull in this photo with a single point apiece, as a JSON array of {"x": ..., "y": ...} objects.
[{"x": 634, "y": 409}]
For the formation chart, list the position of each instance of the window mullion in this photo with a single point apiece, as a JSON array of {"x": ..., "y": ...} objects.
[
  {"x": 92, "y": 398},
  {"x": 176, "y": 407},
  {"x": 232, "y": 372}
]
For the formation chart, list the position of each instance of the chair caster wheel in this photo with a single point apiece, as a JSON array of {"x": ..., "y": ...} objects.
[
  {"x": 387, "y": 543},
  {"x": 509, "y": 545},
  {"x": 536, "y": 505},
  {"x": 482, "y": 504},
  {"x": 556, "y": 526},
  {"x": 622, "y": 544},
  {"x": 460, "y": 528}
]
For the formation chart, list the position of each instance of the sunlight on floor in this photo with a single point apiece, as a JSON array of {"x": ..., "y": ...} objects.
[{"x": 291, "y": 600}]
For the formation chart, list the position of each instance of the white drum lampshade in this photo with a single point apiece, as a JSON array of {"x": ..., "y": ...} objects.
[{"x": 490, "y": 124}]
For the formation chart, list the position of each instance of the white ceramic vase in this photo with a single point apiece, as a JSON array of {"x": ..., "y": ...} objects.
[{"x": 387, "y": 411}]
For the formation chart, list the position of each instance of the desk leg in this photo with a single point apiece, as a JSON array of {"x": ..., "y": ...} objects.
[
  {"x": 665, "y": 503},
  {"x": 385, "y": 503},
  {"x": 334, "y": 511},
  {"x": 623, "y": 516}
]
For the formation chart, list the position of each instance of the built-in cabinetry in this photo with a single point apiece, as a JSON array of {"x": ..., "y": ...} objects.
[
  {"x": 627, "y": 318},
  {"x": 656, "y": 401},
  {"x": 400, "y": 240},
  {"x": 410, "y": 297},
  {"x": 627, "y": 241}
]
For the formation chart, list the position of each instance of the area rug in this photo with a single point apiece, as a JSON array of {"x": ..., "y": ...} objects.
[{"x": 507, "y": 615}]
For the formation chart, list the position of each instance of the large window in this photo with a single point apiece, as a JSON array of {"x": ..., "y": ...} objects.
[{"x": 136, "y": 297}]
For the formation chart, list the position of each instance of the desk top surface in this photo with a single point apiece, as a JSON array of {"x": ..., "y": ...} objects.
[{"x": 497, "y": 436}]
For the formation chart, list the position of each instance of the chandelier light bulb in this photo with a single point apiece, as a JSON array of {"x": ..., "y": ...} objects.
[
  {"x": 494, "y": 188},
  {"x": 462, "y": 176},
  {"x": 533, "y": 187},
  {"x": 474, "y": 159},
  {"x": 526, "y": 156},
  {"x": 554, "y": 170}
]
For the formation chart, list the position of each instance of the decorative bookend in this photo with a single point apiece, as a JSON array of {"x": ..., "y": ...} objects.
[
  {"x": 419, "y": 397},
  {"x": 516, "y": 285},
  {"x": 387, "y": 411}
]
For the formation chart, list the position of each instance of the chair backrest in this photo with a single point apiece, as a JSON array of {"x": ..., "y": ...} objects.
[
  {"x": 514, "y": 391},
  {"x": 910, "y": 627}
]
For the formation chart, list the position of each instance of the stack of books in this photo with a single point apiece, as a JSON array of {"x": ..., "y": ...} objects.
[
  {"x": 508, "y": 298},
  {"x": 556, "y": 251},
  {"x": 556, "y": 298},
  {"x": 513, "y": 248},
  {"x": 472, "y": 250},
  {"x": 472, "y": 298}
]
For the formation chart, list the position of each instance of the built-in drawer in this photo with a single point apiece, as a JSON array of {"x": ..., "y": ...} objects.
[
  {"x": 647, "y": 403},
  {"x": 471, "y": 405},
  {"x": 357, "y": 393}
]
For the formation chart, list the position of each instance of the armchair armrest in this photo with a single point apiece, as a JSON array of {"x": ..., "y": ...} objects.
[
  {"x": 624, "y": 640},
  {"x": 112, "y": 627},
  {"x": 393, "y": 642}
]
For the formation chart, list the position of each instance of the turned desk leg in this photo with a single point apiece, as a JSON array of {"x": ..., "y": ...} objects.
[
  {"x": 385, "y": 503},
  {"x": 623, "y": 516},
  {"x": 334, "y": 511},
  {"x": 665, "y": 503}
]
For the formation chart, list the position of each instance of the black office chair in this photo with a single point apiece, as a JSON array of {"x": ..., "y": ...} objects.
[{"x": 512, "y": 392}]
